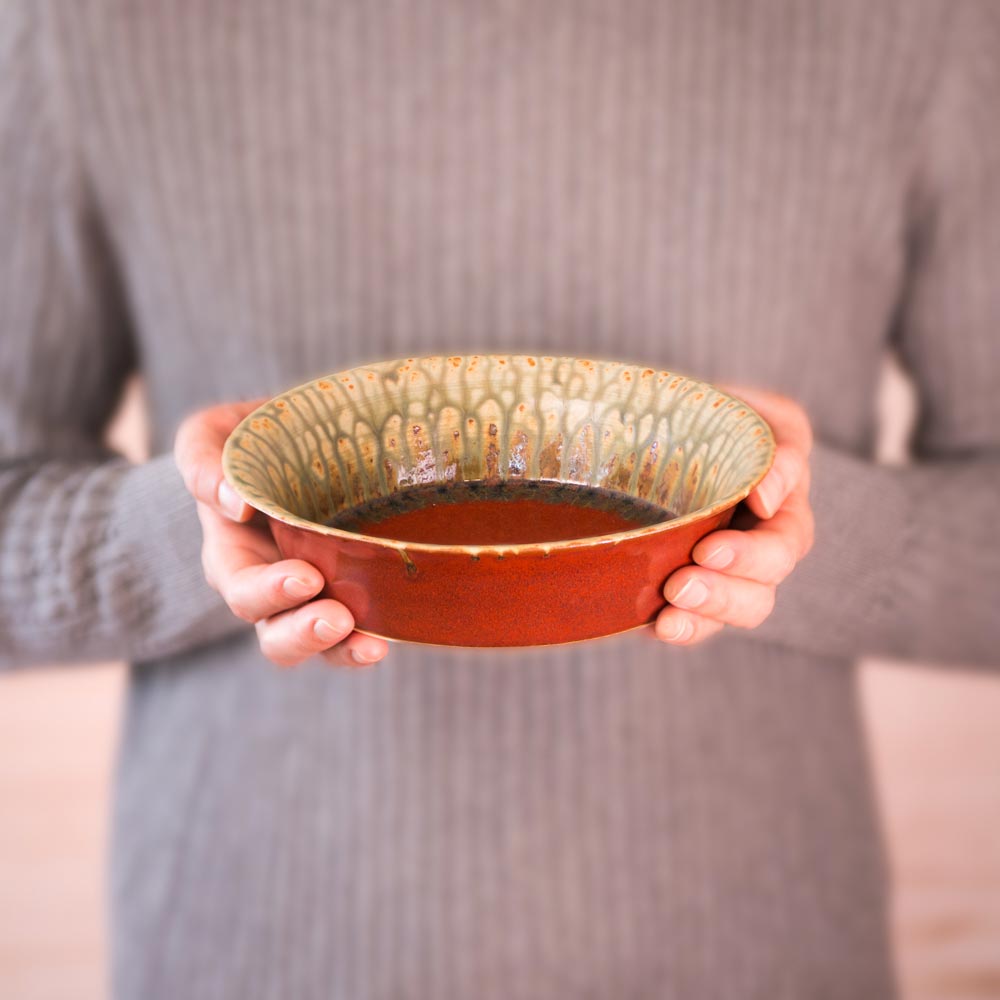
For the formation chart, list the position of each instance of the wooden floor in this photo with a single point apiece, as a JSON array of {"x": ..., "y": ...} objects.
[
  {"x": 57, "y": 732},
  {"x": 936, "y": 741},
  {"x": 935, "y": 737}
]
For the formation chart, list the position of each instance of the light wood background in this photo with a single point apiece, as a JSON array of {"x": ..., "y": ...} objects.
[{"x": 935, "y": 739}]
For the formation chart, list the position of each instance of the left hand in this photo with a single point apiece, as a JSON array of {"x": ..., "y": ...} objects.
[
  {"x": 281, "y": 597},
  {"x": 736, "y": 572}
]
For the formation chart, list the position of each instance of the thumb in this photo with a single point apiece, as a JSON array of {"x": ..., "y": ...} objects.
[{"x": 198, "y": 454}]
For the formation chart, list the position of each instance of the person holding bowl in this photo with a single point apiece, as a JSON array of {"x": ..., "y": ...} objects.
[{"x": 231, "y": 198}]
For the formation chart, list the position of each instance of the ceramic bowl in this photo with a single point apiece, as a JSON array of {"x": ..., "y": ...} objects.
[{"x": 379, "y": 430}]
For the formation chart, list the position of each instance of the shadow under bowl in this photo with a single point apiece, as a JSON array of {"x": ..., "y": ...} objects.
[{"x": 381, "y": 437}]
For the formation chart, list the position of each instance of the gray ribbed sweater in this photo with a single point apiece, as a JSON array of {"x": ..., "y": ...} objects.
[{"x": 231, "y": 197}]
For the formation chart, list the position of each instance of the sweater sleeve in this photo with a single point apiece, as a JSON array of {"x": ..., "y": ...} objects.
[
  {"x": 99, "y": 559},
  {"x": 907, "y": 560}
]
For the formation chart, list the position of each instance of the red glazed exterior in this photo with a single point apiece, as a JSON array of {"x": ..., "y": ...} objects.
[{"x": 521, "y": 596}]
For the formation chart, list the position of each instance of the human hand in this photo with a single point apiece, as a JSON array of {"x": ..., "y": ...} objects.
[
  {"x": 736, "y": 573},
  {"x": 241, "y": 561}
]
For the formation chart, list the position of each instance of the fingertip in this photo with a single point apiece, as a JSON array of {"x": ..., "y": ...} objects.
[
  {"x": 771, "y": 492},
  {"x": 713, "y": 554},
  {"x": 298, "y": 580},
  {"x": 674, "y": 628},
  {"x": 766, "y": 499},
  {"x": 332, "y": 625},
  {"x": 367, "y": 650},
  {"x": 299, "y": 567},
  {"x": 297, "y": 588},
  {"x": 357, "y": 652},
  {"x": 231, "y": 504}
]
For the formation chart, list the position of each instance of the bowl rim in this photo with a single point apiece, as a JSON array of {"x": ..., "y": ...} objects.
[{"x": 279, "y": 513}]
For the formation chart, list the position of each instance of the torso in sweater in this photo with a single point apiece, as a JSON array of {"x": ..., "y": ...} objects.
[{"x": 714, "y": 187}]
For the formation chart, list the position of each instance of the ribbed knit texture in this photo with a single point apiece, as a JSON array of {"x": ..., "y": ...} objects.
[{"x": 232, "y": 197}]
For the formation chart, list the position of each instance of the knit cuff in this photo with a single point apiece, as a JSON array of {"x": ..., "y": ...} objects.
[
  {"x": 848, "y": 597},
  {"x": 154, "y": 525}
]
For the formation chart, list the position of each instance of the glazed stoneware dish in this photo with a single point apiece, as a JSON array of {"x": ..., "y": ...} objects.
[{"x": 498, "y": 500}]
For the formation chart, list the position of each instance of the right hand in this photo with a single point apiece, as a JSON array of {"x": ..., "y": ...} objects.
[{"x": 241, "y": 561}]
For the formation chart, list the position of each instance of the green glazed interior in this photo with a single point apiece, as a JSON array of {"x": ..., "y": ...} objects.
[{"x": 370, "y": 431}]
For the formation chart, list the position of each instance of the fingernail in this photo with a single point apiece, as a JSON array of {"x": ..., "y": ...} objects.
[
  {"x": 691, "y": 595},
  {"x": 360, "y": 658},
  {"x": 771, "y": 492},
  {"x": 677, "y": 630},
  {"x": 297, "y": 588},
  {"x": 327, "y": 632},
  {"x": 719, "y": 558},
  {"x": 229, "y": 501}
]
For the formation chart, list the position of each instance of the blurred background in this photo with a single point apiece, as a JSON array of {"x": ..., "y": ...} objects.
[{"x": 934, "y": 735}]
